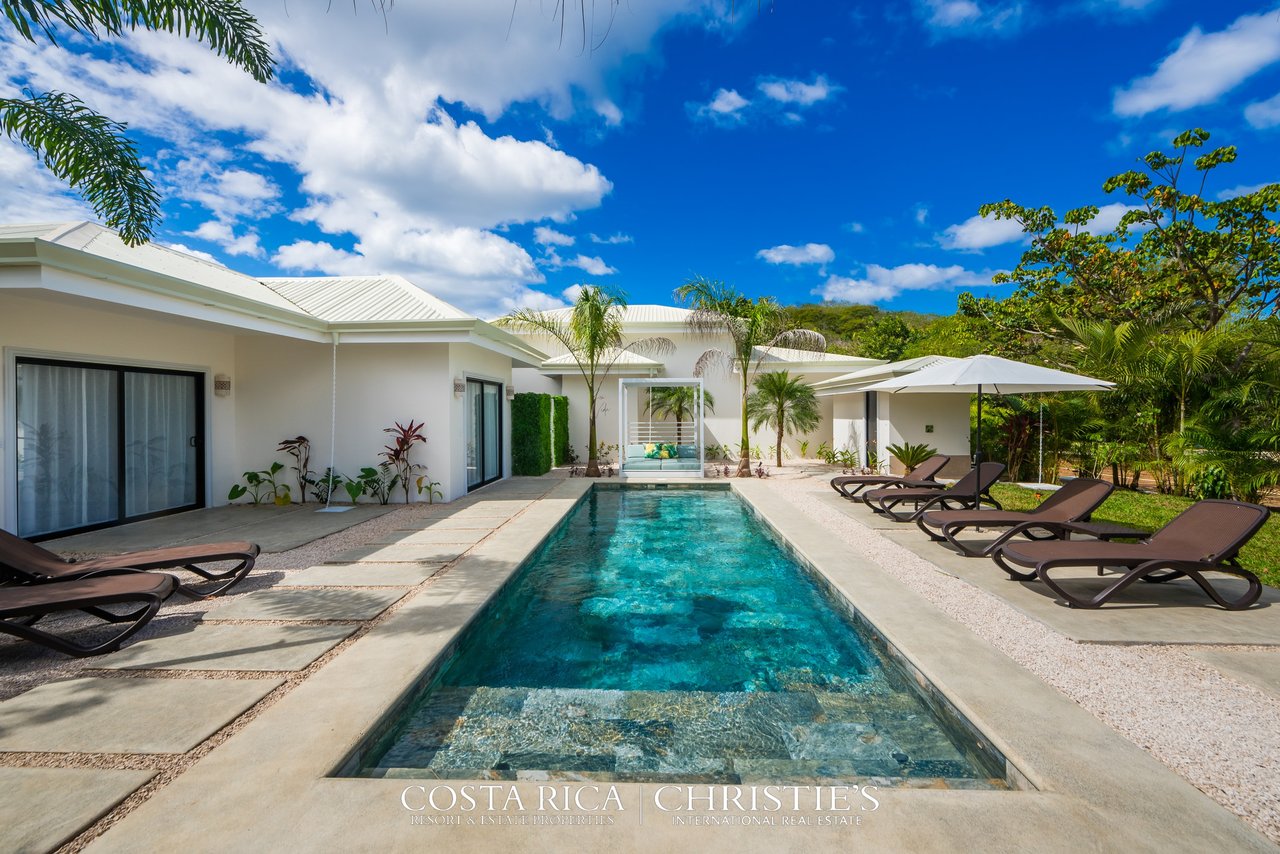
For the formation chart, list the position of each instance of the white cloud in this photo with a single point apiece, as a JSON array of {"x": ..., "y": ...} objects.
[
  {"x": 613, "y": 239},
  {"x": 809, "y": 253},
  {"x": 1204, "y": 67},
  {"x": 187, "y": 250},
  {"x": 1107, "y": 218},
  {"x": 30, "y": 193},
  {"x": 382, "y": 164},
  {"x": 1264, "y": 114},
  {"x": 1240, "y": 190},
  {"x": 223, "y": 234},
  {"x": 570, "y": 294},
  {"x": 591, "y": 265},
  {"x": 879, "y": 284},
  {"x": 796, "y": 91},
  {"x": 725, "y": 107},
  {"x": 977, "y": 233},
  {"x": 551, "y": 237},
  {"x": 921, "y": 214},
  {"x": 856, "y": 227},
  {"x": 967, "y": 17}
]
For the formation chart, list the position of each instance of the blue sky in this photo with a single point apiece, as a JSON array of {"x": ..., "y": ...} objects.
[{"x": 809, "y": 151}]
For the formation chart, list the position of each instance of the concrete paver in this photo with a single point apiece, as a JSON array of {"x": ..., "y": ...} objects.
[
  {"x": 229, "y": 647},
  {"x": 1258, "y": 668},
  {"x": 398, "y": 553},
  {"x": 44, "y": 807},
  {"x": 273, "y": 528},
  {"x": 362, "y": 575},
  {"x": 307, "y": 604},
  {"x": 434, "y": 536},
  {"x": 101, "y": 715}
]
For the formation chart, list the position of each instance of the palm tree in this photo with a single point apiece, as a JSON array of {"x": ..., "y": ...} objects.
[
  {"x": 678, "y": 402},
  {"x": 593, "y": 336},
  {"x": 89, "y": 151},
  {"x": 785, "y": 404},
  {"x": 718, "y": 309}
]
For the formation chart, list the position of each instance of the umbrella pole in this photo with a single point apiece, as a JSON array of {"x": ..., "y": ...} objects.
[{"x": 977, "y": 459}]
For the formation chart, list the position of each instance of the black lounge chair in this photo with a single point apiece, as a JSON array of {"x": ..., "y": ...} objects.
[
  {"x": 28, "y": 563},
  {"x": 960, "y": 495},
  {"x": 22, "y": 605},
  {"x": 921, "y": 476},
  {"x": 1074, "y": 502},
  {"x": 1206, "y": 537}
]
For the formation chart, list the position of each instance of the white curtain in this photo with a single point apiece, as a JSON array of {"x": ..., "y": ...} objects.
[
  {"x": 66, "y": 444},
  {"x": 160, "y": 455}
]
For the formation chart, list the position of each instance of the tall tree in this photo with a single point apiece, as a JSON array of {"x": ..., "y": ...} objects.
[
  {"x": 593, "y": 335},
  {"x": 89, "y": 151},
  {"x": 679, "y": 402},
  {"x": 751, "y": 326},
  {"x": 785, "y": 404}
]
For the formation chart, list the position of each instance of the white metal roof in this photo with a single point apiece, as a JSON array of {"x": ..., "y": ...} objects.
[
  {"x": 103, "y": 243},
  {"x": 353, "y": 299},
  {"x": 637, "y": 314},
  {"x": 857, "y": 380},
  {"x": 626, "y": 359},
  {"x": 768, "y": 355}
]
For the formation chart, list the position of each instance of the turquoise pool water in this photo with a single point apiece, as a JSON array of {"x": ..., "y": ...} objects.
[{"x": 663, "y": 635}]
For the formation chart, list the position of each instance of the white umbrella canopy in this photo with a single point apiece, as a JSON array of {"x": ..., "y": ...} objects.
[{"x": 981, "y": 374}]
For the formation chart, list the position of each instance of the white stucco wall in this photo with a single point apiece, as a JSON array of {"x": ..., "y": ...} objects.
[
  {"x": 904, "y": 418},
  {"x": 722, "y": 427},
  {"x": 79, "y": 330},
  {"x": 284, "y": 390}
]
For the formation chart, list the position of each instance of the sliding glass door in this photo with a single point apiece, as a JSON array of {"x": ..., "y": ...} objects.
[
  {"x": 98, "y": 445},
  {"x": 484, "y": 432}
]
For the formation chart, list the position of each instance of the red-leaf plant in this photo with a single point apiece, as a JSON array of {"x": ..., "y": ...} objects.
[{"x": 404, "y": 437}]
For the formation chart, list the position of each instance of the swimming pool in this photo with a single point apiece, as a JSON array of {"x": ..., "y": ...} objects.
[{"x": 664, "y": 635}]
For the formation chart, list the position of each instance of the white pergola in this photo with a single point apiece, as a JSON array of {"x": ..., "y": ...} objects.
[{"x": 641, "y": 433}]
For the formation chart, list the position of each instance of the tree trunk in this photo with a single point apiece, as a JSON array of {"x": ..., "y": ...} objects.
[
  {"x": 593, "y": 456},
  {"x": 779, "y": 444},
  {"x": 744, "y": 458}
]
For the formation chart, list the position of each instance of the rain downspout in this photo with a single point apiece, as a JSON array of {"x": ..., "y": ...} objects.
[{"x": 333, "y": 435}]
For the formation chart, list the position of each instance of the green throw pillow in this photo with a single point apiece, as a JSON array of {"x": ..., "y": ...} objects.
[{"x": 652, "y": 452}]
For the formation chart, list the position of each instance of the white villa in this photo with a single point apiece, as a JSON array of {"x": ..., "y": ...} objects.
[{"x": 139, "y": 381}]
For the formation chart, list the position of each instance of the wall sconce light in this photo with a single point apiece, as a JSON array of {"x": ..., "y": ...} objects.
[
  {"x": 511, "y": 392},
  {"x": 221, "y": 385},
  {"x": 459, "y": 386}
]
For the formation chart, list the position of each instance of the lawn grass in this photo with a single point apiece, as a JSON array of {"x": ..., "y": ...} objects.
[{"x": 1148, "y": 512}]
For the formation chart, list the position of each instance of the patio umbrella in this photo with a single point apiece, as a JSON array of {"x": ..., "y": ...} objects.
[{"x": 979, "y": 374}]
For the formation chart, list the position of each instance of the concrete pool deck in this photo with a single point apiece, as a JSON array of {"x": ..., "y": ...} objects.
[{"x": 269, "y": 786}]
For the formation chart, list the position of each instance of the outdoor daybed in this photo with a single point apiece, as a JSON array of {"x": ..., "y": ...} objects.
[
  {"x": 26, "y": 562},
  {"x": 1206, "y": 537},
  {"x": 660, "y": 457}
]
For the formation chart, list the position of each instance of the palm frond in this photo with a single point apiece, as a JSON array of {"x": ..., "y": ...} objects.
[
  {"x": 224, "y": 25},
  {"x": 712, "y": 360},
  {"x": 89, "y": 152}
]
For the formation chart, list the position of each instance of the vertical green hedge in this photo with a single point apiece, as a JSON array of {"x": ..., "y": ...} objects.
[
  {"x": 561, "y": 432},
  {"x": 530, "y": 434}
]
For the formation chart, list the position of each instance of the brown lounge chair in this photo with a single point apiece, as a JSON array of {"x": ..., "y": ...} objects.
[
  {"x": 27, "y": 563},
  {"x": 23, "y": 605},
  {"x": 1206, "y": 537},
  {"x": 1074, "y": 502},
  {"x": 921, "y": 476},
  {"x": 959, "y": 495}
]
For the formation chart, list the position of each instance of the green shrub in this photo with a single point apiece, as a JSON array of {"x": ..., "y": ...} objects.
[
  {"x": 530, "y": 434},
  {"x": 561, "y": 431}
]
